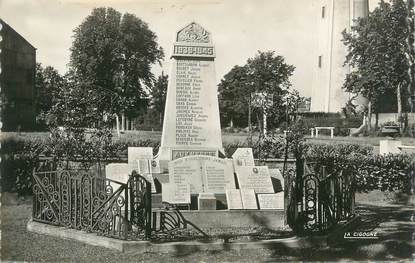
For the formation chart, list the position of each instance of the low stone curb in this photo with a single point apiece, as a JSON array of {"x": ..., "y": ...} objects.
[{"x": 169, "y": 247}]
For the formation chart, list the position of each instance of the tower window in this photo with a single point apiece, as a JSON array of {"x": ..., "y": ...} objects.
[
  {"x": 323, "y": 11},
  {"x": 320, "y": 61}
]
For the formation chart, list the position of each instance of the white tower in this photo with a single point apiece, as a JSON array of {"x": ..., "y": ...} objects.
[{"x": 329, "y": 72}]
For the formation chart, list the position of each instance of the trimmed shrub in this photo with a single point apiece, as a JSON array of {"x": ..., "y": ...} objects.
[
  {"x": 19, "y": 158},
  {"x": 371, "y": 171},
  {"x": 21, "y": 155}
]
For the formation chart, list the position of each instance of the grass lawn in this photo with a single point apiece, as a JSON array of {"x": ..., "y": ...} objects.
[{"x": 395, "y": 243}]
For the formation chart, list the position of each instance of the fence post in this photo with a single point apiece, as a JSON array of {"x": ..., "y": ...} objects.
[
  {"x": 299, "y": 170},
  {"x": 412, "y": 174},
  {"x": 126, "y": 205},
  {"x": 148, "y": 209}
]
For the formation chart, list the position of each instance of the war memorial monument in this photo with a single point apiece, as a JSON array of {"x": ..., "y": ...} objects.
[{"x": 190, "y": 166}]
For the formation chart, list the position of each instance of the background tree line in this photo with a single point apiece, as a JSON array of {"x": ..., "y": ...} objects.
[
  {"x": 110, "y": 78},
  {"x": 381, "y": 53},
  {"x": 109, "y": 75},
  {"x": 112, "y": 55}
]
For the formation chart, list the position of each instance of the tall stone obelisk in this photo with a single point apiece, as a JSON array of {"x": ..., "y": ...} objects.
[{"x": 191, "y": 119}]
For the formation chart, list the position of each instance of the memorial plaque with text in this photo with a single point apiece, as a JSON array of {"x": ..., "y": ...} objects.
[
  {"x": 233, "y": 199},
  {"x": 204, "y": 173},
  {"x": 148, "y": 166},
  {"x": 176, "y": 193},
  {"x": 155, "y": 167},
  {"x": 206, "y": 201},
  {"x": 137, "y": 153},
  {"x": 218, "y": 175},
  {"x": 277, "y": 179},
  {"x": 118, "y": 171},
  {"x": 243, "y": 157},
  {"x": 145, "y": 170},
  {"x": 271, "y": 201},
  {"x": 191, "y": 120},
  {"x": 256, "y": 178},
  {"x": 144, "y": 166},
  {"x": 188, "y": 170},
  {"x": 249, "y": 199}
]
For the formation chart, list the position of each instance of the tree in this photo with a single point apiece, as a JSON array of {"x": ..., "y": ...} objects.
[
  {"x": 410, "y": 51},
  {"x": 292, "y": 100},
  {"x": 111, "y": 59},
  {"x": 379, "y": 54},
  {"x": 266, "y": 74},
  {"x": 158, "y": 96},
  {"x": 48, "y": 82},
  {"x": 234, "y": 97}
]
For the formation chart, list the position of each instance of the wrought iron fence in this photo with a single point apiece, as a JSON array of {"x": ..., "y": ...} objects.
[
  {"x": 79, "y": 200},
  {"x": 318, "y": 202}
]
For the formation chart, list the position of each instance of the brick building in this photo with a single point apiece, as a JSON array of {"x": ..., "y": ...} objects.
[{"x": 17, "y": 80}]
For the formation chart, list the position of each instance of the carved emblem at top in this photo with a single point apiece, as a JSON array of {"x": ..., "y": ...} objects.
[{"x": 193, "y": 33}]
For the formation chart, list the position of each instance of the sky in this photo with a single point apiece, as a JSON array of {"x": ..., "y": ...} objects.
[{"x": 239, "y": 28}]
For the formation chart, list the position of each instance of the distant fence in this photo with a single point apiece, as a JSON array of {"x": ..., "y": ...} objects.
[{"x": 392, "y": 117}]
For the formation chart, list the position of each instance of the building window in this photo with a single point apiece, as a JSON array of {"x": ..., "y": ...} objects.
[
  {"x": 320, "y": 61},
  {"x": 323, "y": 11}
]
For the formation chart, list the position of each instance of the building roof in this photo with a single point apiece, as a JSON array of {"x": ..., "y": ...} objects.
[{"x": 7, "y": 26}]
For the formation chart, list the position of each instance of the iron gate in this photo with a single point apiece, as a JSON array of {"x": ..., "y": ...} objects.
[{"x": 316, "y": 203}]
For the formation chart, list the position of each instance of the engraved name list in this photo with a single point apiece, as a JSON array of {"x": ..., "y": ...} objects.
[{"x": 189, "y": 111}]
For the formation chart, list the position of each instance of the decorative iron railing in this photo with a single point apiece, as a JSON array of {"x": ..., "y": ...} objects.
[
  {"x": 76, "y": 199},
  {"x": 318, "y": 202},
  {"x": 140, "y": 204}
]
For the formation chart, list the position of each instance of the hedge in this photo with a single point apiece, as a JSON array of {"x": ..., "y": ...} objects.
[
  {"x": 20, "y": 155},
  {"x": 372, "y": 171}
]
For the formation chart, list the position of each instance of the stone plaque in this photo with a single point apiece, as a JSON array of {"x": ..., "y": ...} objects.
[
  {"x": 249, "y": 199},
  {"x": 191, "y": 119},
  {"x": 233, "y": 199},
  {"x": 137, "y": 153},
  {"x": 187, "y": 169},
  {"x": 271, "y": 201},
  {"x": 206, "y": 201},
  {"x": 277, "y": 180},
  {"x": 176, "y": 193},
  {"x": 204, "y": 173},
  {"x": 148, "y": 166},
  {"x": 155, "y": 167},
  {"x": 243, "y": 157},
  {"x": 150, "y": 178},
  {"x": 256, "y": 178},
  {"x": 118, "y": 171},
  {"x": 144, "y": 166},
  {"x": 219, "y": 175},
  {"x": 156, "y": 201}
]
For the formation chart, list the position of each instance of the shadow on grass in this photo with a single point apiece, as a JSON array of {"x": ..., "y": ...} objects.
[{"x": 393, "y": 225}]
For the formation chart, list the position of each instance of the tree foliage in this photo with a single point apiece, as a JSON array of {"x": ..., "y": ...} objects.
[
  {"x": 48, "y": 82},
  {"x": 266, "y": 74},
  {"x": 158, "y": 96},
  {"x": 378, "y": 54},
  {"x": 111, "y": 59}
]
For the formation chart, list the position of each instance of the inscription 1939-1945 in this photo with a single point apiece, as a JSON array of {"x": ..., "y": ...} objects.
[{"x": 193, "y": 50}]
